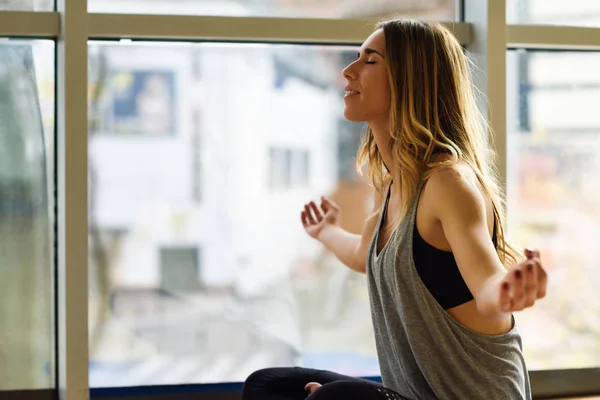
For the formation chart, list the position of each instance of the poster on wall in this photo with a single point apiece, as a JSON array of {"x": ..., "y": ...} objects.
[{"x": 142, "y": 102}]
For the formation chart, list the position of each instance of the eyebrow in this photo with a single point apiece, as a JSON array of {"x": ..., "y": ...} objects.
[{"x": 371, "y": 51}]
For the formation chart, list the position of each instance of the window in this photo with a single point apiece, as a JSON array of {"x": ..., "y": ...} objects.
[
  {"x": 180, "y": 269},
  {"x": 288, "y": 168},
  {"x": 132, "y": 99},
  {"x": 431, "y": 9},
  {"x": 255, "y": 299},
  {"x": 279, "y": 167},
  {"x": 139, "y": 102},
  {"x": 26, "y": 5},
  {"x": 198, "y": 268},
  {"x": 300, "y": 167},
  {"x": 196, "y": 162},
  {"x": 554, "y": 12},
  {"x": 26, "y": 215},
  {"x": 553, "y": 199}
]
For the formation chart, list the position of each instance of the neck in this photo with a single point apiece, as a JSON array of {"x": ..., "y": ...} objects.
[{"x": 382, "y": 136}]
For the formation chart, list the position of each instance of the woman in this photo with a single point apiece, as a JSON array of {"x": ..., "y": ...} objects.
[{"x": 434, "y": 249}]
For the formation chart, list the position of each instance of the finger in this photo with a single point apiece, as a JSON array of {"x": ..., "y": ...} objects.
[
  {"x": 505, "y": 301},
  {"x": 530, "y": 282},
  {"x": 542, "y": 279},
  {"x": 311, "y": 387},
  {"x": 316, "y": 211},
  {"x": 311, "y": 219},
  {"x": 517, "y": 292},
  {"x": 532, "y": 253},
  {"x": 327, "y": 204},
  {"x": 304, "y": 219},
  {"x": 541, "y": 276}
]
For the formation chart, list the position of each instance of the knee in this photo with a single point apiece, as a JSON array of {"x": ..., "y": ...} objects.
[
  {"x": 258, "y": 377},
  {"x": 256, "y": 382}
]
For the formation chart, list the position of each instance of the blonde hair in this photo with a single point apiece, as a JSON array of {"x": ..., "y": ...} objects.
[{"x": 433, "y": 110}]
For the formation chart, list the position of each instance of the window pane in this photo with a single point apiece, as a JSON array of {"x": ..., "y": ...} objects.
[
  {"x": 26, "y": 5},
  {"x": 201, "y": 158},
  {"x": 554, "y": 199},
  {"x": 554, "y": 12},
  {"x": 430, "y": 9},
  {"x": 26, "y": 220}
]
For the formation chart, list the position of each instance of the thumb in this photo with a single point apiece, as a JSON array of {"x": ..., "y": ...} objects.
[
  {"x": 327, "y": 204},
  {"x": 311, "y": 387}
]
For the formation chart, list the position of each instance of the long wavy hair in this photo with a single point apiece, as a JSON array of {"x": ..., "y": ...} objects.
[{"x": 433, "y": 111}]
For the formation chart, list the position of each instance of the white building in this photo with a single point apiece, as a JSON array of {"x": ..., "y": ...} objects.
[{"x": 227, "y": 179}]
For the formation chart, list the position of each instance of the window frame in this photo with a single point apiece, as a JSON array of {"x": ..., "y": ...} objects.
[
  {"x": 563, "y": 382},
  {"x": 482, "y": 28}
]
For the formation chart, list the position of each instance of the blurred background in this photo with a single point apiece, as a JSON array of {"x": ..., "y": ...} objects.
[{"x": 201, "y": 156}]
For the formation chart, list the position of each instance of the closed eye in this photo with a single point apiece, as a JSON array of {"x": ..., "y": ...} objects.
[{"x": 366, "y": 62}]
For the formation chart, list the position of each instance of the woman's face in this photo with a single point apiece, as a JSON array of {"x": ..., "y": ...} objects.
[{"x": 367, "y": 96}]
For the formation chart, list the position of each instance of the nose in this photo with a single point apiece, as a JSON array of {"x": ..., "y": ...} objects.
[{"x": 349, "y": 73}]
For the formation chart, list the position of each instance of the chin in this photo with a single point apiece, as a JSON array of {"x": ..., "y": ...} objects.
[{"x": 353, "y": 117}]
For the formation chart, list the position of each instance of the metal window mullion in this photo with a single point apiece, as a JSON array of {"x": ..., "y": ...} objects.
[
  {"x": 488, "y": 50},
  {"x": 29, "y": 24},
  {"x": 553, "y": 37},
  {"x": 241, "y": 29},
  {"x": 71, "y": 156},
  {"x": 565, "y": 383}
]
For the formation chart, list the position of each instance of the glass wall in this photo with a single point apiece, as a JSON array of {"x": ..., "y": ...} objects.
[
  {"x": 26, "y": 5},
  {"x": 554, "y": 12},
  {"x": 430, "y": 9},
  {"x": 201, "y": 157},
  {"x": 554, "y": 199},
  {"x": 26, "y": 214}
]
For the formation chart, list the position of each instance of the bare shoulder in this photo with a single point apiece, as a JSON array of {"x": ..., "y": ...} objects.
[{"x": 450, "y": 189}]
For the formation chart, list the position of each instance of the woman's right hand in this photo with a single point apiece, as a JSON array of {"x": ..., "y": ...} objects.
[{"x": 315, "y": 219}]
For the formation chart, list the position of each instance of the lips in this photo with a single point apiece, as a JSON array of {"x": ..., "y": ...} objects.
[
  {"x": 349, "y": 92},
  {"x": 349, "y": 88}
]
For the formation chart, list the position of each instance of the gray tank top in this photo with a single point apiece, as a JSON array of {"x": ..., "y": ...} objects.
[{"x": 424, "y": 353}]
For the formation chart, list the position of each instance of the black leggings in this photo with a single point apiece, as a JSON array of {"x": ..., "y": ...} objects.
[{"x": 289, "y": 383}]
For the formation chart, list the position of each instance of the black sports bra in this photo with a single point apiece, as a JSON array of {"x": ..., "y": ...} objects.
[
  {"x": 438, "y": 269},
  {"x": 439, "y": 272}
]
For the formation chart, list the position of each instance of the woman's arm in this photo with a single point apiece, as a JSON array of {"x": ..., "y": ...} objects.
[
  {"x": 461, "y": 208},
  {"x": 351, "y": 249}
]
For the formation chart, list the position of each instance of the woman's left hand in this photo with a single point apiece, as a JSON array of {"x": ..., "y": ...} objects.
[{"x": 523, "y": 284}]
